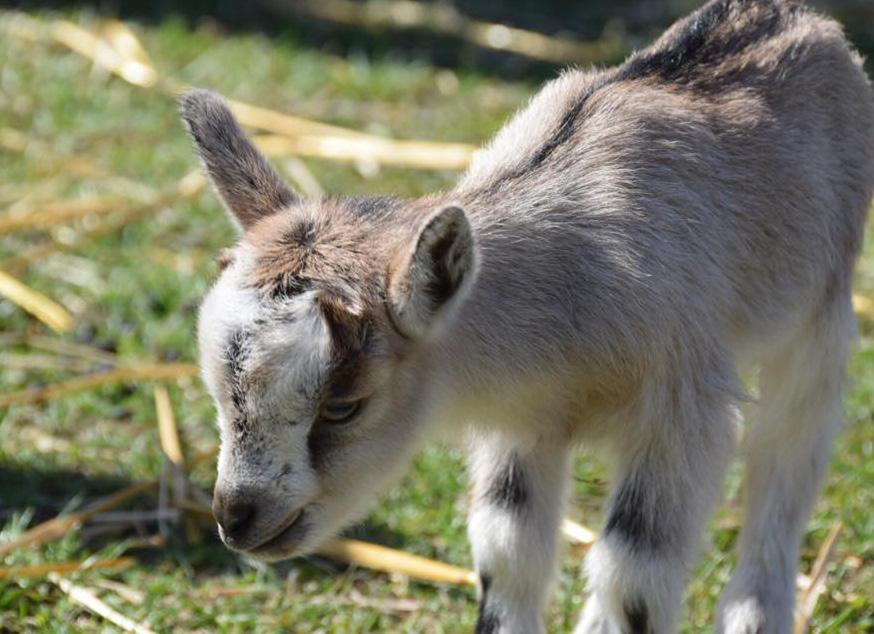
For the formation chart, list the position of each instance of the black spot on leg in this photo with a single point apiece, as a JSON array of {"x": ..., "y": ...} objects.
[
  {"x": 487, "y": 622},
  {"x": 485, "y": 582},
  {"x": 637, "y": 616},
  {"x": 633, "y": 517},
  {"x": 509, "y": 489}
]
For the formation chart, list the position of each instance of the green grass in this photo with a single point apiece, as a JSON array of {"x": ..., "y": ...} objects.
[{"x": 135, "y": 292}]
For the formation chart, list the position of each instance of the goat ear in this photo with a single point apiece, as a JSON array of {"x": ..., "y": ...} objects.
[
  {"x": 433, "y": 272},
  {"x": 247, "y": 184}
]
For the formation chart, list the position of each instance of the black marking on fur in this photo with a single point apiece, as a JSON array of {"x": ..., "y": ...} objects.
[
  {"x": 637, "y": 616},
  {"x": 302, "y": 234},
  {"x": 321, "y": 444},
  {"x": 371, "y": 206},
  {"x": 509, "y": 489},
  {"x": 702, "y": 42},
  {"x": 565, "y": 128},
  {"x": 631, "y": 517},
  {"x": 683, "y": 51},
  {"x": 289, "y": 286},
  {"x": 235, "y": 357},
  {"x": 685, "y": 59},
  {"x": 487, "y": 621},
  {"x": 485, "y": 582}
]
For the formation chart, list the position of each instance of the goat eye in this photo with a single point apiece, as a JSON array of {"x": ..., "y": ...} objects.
[{"x": 339, "y": 411}]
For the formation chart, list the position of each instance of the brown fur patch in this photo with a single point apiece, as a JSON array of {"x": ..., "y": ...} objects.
[
  {"x": 344, "y": 251},
  {"x": 324, "y": 246}
]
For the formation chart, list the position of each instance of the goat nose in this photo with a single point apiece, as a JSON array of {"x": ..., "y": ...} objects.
[{"x": 234, "y": 513}]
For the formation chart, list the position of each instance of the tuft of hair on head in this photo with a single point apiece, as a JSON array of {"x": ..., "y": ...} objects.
[
  {"x": 244, "y": 179},
  {"x": 431, "y": 274},
  {"x": 346, "y": 323}
]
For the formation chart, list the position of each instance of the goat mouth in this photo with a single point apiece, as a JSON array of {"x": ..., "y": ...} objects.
[{"x": 290, "y": 530}]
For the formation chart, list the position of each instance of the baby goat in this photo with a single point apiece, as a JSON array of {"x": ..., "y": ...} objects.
[{"x": 629, "y": 240}]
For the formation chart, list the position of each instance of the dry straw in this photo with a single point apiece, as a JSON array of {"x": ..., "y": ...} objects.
[
  {"x": 59, "y": 212},
  {"x": 131, "y": 595},
  {"x": 167, "y": 430},
  {"x": 346, "y": 149},
  {"x": 46, "y": 310},
  {"x": 127, "y": 374},
  {"x": 818, "y": 573},
  {"x": 186, "y": 187},
  {"x": 65, "y": 567},
  {"x": 385, "y": 559},
  {"x": 89, "y": 600},
  {"x": 863, "y": 307}
]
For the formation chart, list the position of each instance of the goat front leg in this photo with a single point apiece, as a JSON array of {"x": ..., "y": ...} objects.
[
  {"x": 669, "y": 479},
  {"x": 517, "y": 501}
]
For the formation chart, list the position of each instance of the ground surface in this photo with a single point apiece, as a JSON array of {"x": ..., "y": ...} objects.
[{"x": 134, "y": 292}]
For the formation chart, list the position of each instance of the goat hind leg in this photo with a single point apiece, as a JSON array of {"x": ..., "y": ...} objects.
[{"x": 787, "y": 450}]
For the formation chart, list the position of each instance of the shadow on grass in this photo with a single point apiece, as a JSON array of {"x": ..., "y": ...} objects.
[
  {"x": 583, "y": 20},
  {"x": 638, "y": 22},
  {"x": 47, "y": 493}
]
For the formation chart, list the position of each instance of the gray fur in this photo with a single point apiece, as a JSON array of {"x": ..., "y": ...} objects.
[{"x": 637, "y": 236}]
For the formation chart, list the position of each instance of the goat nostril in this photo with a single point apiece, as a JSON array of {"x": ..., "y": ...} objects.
[
  {"x": 240, "y": 515},
  {"x": 234, "y": 516}
]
